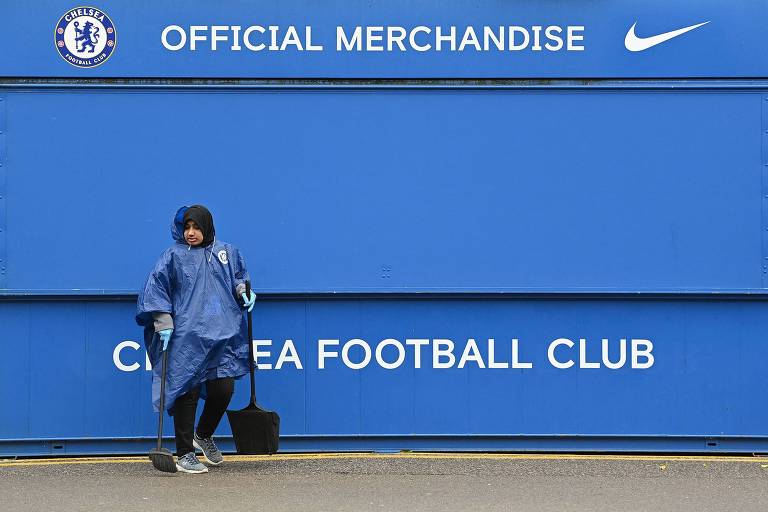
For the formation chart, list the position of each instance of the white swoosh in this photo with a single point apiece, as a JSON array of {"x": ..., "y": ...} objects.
[{"x": 638, "y": 44}]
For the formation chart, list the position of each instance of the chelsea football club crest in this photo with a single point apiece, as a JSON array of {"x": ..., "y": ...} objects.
[{"x": 85, "y": 37}]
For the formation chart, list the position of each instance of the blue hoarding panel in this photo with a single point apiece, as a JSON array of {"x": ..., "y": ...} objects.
[
  {"x": 399, "y": 190},
  {"x": 15, "y": 366},
  {"x": 57, "y": 371},
  {"x": 387, "y": 39},
  {"x": 121, "y": 409},
  {"x": 687, "y": 369}
]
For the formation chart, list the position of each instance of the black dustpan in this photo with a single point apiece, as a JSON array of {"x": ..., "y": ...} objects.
[{"x": 255, "y": 430}]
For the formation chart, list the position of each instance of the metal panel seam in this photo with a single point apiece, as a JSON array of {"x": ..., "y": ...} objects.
[
  {"x": 30, "y": 343},
  {"x": 3, "y": 195},
  {"x": 214, "y": 84},
  {"x": 764, "y": 188},
  {"x": 306, "y": 377}
]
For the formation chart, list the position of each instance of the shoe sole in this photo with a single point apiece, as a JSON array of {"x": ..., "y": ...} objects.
[
  {"x": 191, "y": 471},
  {"x": 209, "y": 461}
]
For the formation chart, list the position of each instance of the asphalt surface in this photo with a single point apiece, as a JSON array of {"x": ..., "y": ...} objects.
[{"x": 400, "y": 482}]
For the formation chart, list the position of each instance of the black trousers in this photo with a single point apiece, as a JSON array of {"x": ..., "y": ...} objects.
[{"x": 219, "y": 394}]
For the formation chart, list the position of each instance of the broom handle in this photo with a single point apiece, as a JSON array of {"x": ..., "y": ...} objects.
[
  {"x": 162, "y": 398},
  {"x": 250, "y": 344}
]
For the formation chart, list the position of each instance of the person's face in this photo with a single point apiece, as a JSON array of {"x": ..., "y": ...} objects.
[{"x": 192, "y": 233}]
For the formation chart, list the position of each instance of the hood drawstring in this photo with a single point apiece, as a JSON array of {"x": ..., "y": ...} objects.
[
  {"x": 212, "y": 244},
  {"x": 189, "y": 247}
]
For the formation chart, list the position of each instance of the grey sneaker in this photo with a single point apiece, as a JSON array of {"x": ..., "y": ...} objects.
[
  {"x": 188, "y": 463},
  {"x": 210, "y": 451}
]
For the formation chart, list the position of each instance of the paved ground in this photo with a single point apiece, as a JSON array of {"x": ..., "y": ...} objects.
[{"x": 359, "y": 482}]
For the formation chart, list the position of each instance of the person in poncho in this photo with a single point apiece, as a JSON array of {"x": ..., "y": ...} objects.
[{"x": 192, "y": 305}]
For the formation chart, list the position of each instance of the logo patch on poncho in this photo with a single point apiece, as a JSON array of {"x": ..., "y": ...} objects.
[{"x": 223, "y": 257}]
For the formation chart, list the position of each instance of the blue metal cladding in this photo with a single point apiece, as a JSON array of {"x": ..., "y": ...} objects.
[
  {"x": 551, "y": 219},
  {"x": 395, "y": 190},
  {"x": 703, "y": 382},
  {"x": 730, "y": 44}
]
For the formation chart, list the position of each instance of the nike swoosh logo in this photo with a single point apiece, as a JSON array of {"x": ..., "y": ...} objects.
[{"x": 638, "y": 44}]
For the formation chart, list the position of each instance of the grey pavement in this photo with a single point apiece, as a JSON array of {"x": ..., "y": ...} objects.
[{"x": 398, "y": 484}]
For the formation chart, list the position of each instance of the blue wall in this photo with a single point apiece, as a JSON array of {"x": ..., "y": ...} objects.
[
  {"x": 529, "y": 196},
  {"x": 394, "y": 190},
  {"x": 426, "y": 204},
  {"x": 702, "y": 385},
  {"x": 730, "y": 45}
]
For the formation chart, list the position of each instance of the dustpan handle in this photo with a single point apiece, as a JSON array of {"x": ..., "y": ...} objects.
[{"x": 250, "y": 344}]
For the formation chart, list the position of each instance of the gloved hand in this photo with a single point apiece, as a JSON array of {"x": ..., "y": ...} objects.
[
  {"x": 249, "y": 302},
  {"x": 165, "y": 336}
]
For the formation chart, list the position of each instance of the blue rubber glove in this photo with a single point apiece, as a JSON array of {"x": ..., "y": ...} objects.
[
  {"x": 248, "y": 303},
  {"x": 165, "y": 335}
]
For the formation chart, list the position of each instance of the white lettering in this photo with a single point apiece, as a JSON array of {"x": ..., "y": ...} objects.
[
  {"x": 366, "y": 354},
  {"x": 194, "y": 37},
  {"x": 291, "y": 37},
  {"x": 492, "y": 355},
  {"x": 440, "y": 38},
  {"x": 536, "y": 34},
  {"x": 398, "y": 39},
  {"x": 622, "y": 355},
  {"x": 572, "y": 36},
  {"x": 516, "y": 358},
  {"x": 550, "y": 33},
  {"x": 182, "y": 38},
  {"x": 288, "y": 355},
  {"x": 247, "y": 38},
  {"x": 370, "y": 38},
  {"x": 471, "y": 353},
  {"x": 551, "y": 353},
  {"x": 356, "y": 43},
  {"x": 412, "y": 39},
  {"x": 526, "y": 38},
  {"x": 490, "y": 35},
  {"x": 118, "y": 361},
  {"x": 438, "y": 352},
  {"x": 273, "y": 37},
  {"x": 257, "y": 354},
  {"x": 215, "y": 37},
  {"x": 308, "y": 36},
  {"x": 417, "y": 344},
  {"x": 470, "y": 38},
  {"x": 646, "y": 353},
  {"x": 400, "y": 354},
  {"x": 236, "y": 38},
  {"x": 583, "y": 356},
  {"x": 322, "y": 354}
]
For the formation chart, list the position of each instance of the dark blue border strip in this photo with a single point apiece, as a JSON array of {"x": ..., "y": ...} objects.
[
  {"x": 123, "y": 295},
  {"x": 475, "y": 443},
  {"x": 177, "y": 84}
]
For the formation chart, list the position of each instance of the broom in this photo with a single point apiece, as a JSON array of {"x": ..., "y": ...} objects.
[{"x": 161, "y": 457}]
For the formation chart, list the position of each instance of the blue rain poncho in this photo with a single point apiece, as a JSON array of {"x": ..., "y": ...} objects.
[{"x": 198, "y": 287}]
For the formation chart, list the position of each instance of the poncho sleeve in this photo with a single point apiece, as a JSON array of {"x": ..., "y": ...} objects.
[{"x": 155, "y": 295}]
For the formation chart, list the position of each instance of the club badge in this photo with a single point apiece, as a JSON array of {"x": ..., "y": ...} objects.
[{"x": 85, "y": 37}]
